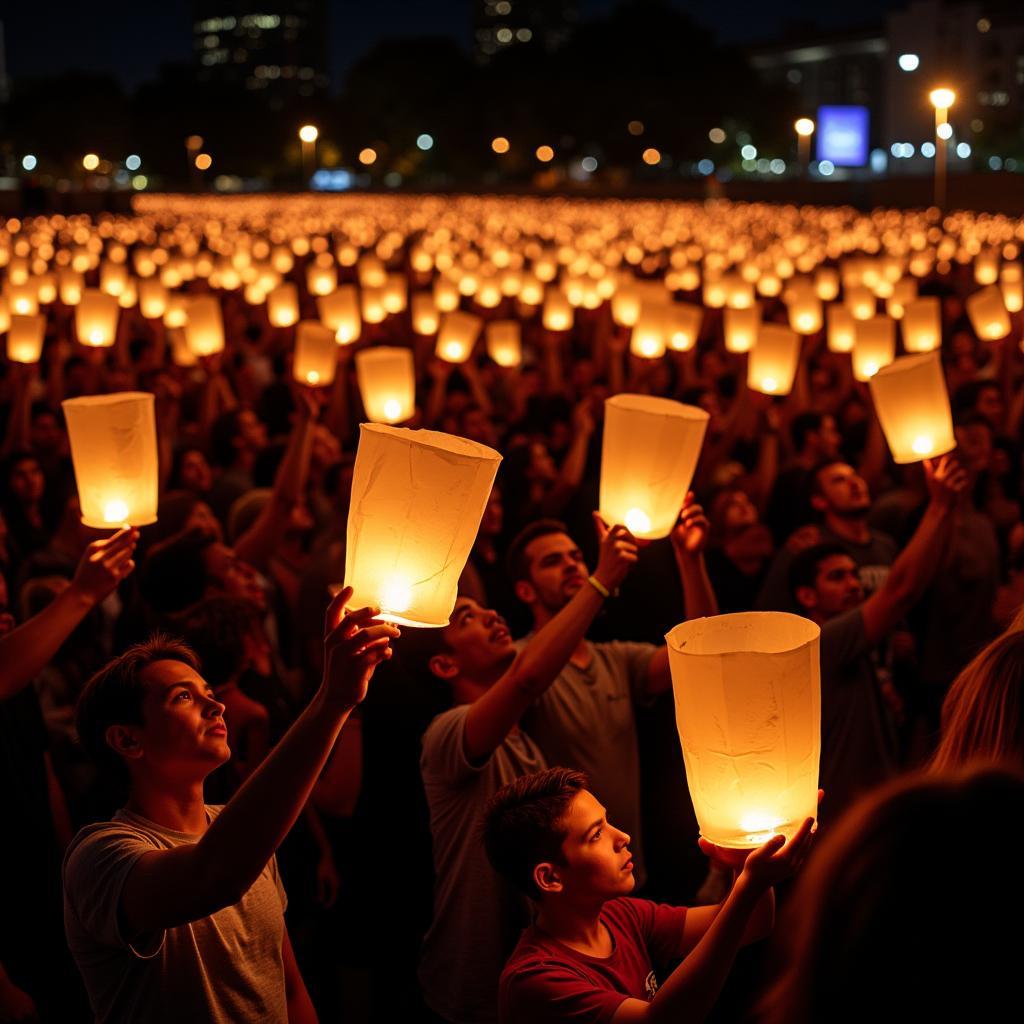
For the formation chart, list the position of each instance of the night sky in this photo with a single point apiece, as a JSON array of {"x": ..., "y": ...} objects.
[{"x": 131, "y": 39}]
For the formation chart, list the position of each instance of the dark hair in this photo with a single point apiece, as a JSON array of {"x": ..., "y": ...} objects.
[
  {"x": 173, "y": 574},
  {"x": 174, "y": 481},
  {"x": 803, "y": 570},
  {"x": 803, "y": 424},
  {"x": 414, "y": 649},
  {"x": 516, "y": 562},
  {"x": 216, "y": 629},
  {"x": 964, "y": 401},
  {"x": 114, "y": 695},
  {"x": 521, "y": 824},
  {"x": 814, "y": 477},
  {"x": 222, "y": 438}
]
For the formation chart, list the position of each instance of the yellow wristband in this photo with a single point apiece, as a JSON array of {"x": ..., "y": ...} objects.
[{"x": 598, "y": 586}]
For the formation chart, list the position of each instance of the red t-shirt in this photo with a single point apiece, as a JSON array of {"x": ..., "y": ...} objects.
[{"x": 545, "y": 981}]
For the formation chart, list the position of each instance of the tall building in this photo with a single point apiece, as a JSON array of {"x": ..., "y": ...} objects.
[
  {"x": 501, "y": 24},
  {"x": 278, "y": 48}
]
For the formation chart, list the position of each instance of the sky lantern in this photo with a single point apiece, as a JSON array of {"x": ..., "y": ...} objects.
[
  {"x": 913, "y": 407},
  {"x": 504, "y": 342},
  {"x": 683, "y": 323},
  {"x": 96, "y": 318},
  {"x": 114, "y": 452},
  {"x": 417, "y": 500},
  {"x": 874, "y": 346},
  {"x": 321, "y": 280},
  {"x": 860, "y": 301},
  {"x": 648, "y": 458},
  {"x": 626, "y": 306},
  {"x": 922, "y": 324},
  {"x": 70, "y": 284},
  {"x": 740, "y": 327},
  {"x": 557, "y": 314},
  {"x": 747, "y": 693},
  {"x": 988, "y": 314},
  {"x": 152, "y": 298},
  {"x": 204, "y": 328},
  {"x": 647, "y": 339},
  {"x": 339, "y": 312},
  {"x": 841, "y": 328},
  {"x": 316, "y": 354},
  {"x": 283, "y": 305},
  {"x": 425, "y": 316},
  {"x": 25, "y": 338},
  {"x": 772, "y": 362},
  {"x": 805, "y": 311},
  {"x": 387, "y": 383},
  {"x": 457, "y": 335},
  {"x": 371, "y": 304},
  {"x": 22, "y": 299}
]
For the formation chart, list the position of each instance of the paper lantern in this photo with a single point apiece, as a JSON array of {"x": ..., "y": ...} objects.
[
  {"x": 114, "y": 452},
  {"x": 988, "y": 313},
  {"x": 25, "y": 338},
  {"x": 913, "y": 407},
  {"x": 339, "y": 312},
  {"x": 626, "y": 306},
  {"x": 204, "y": 329},
  {"x": 504, "y": 342},
  {"x": 395, "y": 294},
  {"x": 113, "y": 277},
  {"x": 176, "y": 311},
  {"x": 649, "y": 454},
  {"x": 714, "y": 293},
  {"x": 557, "y": 314},
  {"x": 683, "y": 323},
  {"x": 446, "y": 295},
  {"x": 874, "y": 346},
  {"x": 826, "y": 283},
  {"x": 70, "y": 284},
  {"x": 46, "y": 288},
  {"x": 986, "y": 268},
  {"x": 741, "y": 327},
  {"x": 181, "y": 354},
  {"x": 1012, "y": 287},
  {"x": 747, "y": 693},
  {"x": 371, "y": 304},
  {"x": 647, "y": 339},
  {"x": 841, "y": 328},
  {"x": 96, "y": 318},
  {"x": 425, "y": 317},
  {"x": 457, "y": 335},
  {"x": 321, "y": 280},
  {"x": 904, "y": 292},
  {"x": 922, "y": 324},
  {"x": 283, "y": 305},
  {"x": 861, "y": 302},
  {"x": 316, "y": 354},
  {"x": 387, "y": 383},
  {"x": 22, "y": 299},
  {"x": 417, "y": 500},
  {"x": 152, "y": 298},
  {"x": 805, "y": 312},
  {"x": 771, "y": 365}
]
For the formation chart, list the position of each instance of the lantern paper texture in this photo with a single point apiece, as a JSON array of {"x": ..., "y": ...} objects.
[
  {"x": 748, "y": 709},
  {"x": 741, "y": 327},
  {"x": 771, "y": 365},
  {"x": 913, "y": 407},
  {"x": 417, "y": 500},
  {"x": 457, "y": 336},
  {"x": 96, "y": 318},
  {"x": 988, "y": 314},
  {"x": 841, "y": 328},
  {"x": 649, "y": 454},
  {"x": 922, "y": 324},
  {"x": 113, "y": 448},
  {"x": 316, "y": 354},
  {"x": 25, "y": 338},
  {"x": 387, "y": 383},
  {"x": 204, "y": 328},
  {"x": 339, "y": 311},
  {"x": 874, "y": 346},
  {"x": 283, "y": 305},
  {"x": 504, "y": 342}
]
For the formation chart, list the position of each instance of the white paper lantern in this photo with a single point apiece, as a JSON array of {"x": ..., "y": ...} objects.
[
  {"x": 339, "y": 311},
  {"x": 96, "y": 317},
  {"x": 387, "y": 383},
  {"x": 922, "y": 324},
  {"x": 874, "y": 346},
  {"x": 771, "y": 365},
  {"x": 204, "y": 328},
  {"x": 457, "y": 336},
  {"x": 988, "y": 314},
  {"x": 504, "y": 342},
  {"x": 25, "y": 338}
]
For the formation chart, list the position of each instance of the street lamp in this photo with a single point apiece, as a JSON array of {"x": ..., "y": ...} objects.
[
  {"x": 308, "y": 134},
  {"x": 804, "y": 127},
  {"x": 941, "y": 99}
]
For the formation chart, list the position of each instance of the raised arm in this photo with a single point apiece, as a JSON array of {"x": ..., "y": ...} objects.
[
  {"x": 917, "y": 563},
  {"x": 167, "y": 888},
  {"x": 26, "y": 650},
  {"x": 492, "y": 716}
]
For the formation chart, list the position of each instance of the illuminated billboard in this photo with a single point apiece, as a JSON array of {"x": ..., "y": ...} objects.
[{"x": 843, "y": 135}]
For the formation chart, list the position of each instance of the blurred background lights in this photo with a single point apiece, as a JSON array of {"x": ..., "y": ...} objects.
[
  {"x": 928, "y": 149},
  {"x": 749, "y": 152},
  {"x": 367, "y": 156},
  {"x": 90, "y": 161},
  {"x": 716, "y": 135},
  {"x": 545, "y": 154},
  {"x": 826, "y": 168},
  {"x": 706, "y": 167},
  {"x": 651, "y": 156},
  {"x": 500, "y": 144},
  {"x": 963, "y": 150},
  {"x": 635, "y": 127},
  {"x": 944, "y": 130},
  {"x": 133, "y": 162},
  {"x": 28, "y": 162},
  {"x": 204, "y": 161},
  {"x": 425, "y": 141},
  {"x": 908, "y": 61},
  {"x": 589, "y": 164}
]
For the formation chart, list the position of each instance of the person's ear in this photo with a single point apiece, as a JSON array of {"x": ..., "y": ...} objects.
[
  {"x": 124, "y": 740},
  {"x": 525, "y": 592},
  {"x": 547, "y": 878},
  {"x": 807, "y": 597},
  {"x": 443, "y": 666}
]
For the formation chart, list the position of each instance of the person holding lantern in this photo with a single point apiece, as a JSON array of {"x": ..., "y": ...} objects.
[{"x": 173, "y": 909}]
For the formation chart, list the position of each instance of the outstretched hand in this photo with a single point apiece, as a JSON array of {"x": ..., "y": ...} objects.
[
  {"x": 355, "y": 643},
  {"x": 105, "y": 563},
  {"x": 946, "y": 478},
  {"x": 617, "y": 555},
  {"x": 690, "y": 534}
]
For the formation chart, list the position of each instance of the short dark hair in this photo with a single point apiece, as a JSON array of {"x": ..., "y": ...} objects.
[
  {"x": 216, "y": 629},
  {"x": 521, "y": 824},
  {"x": 415, "y": 647},
  {"x": 803, "y": 570},
  {"x": 516, "y": 562},
  {"x": 814, "y": 477},
  {"x": 114, "y": 695},
  {"x": 803, "y": 424},
  {"x": 173, "y": 573}
]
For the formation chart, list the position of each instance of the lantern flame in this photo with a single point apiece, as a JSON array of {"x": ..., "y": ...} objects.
[
  {"x": 395, "y": 596},
  {"x": 922, "y": 445},
  {"x": 870, "y": 369},
  {"x": 393, "y": 409},
  {"x": 115, "y": 511},
  {"x": 313, "y": 377},
  {"x": 770, "y": 384},
  {"x": 637, "y": 521},
  {"x": 758, "y": 824}
]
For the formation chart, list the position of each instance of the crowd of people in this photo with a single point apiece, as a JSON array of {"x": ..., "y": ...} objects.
[{"x": 239, "y": 798}]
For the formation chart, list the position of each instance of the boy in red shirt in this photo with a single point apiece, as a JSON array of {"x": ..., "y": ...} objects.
[{"x": 592, "y": 953}]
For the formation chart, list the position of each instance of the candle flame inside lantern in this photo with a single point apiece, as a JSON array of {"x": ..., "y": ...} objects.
[
  {"x": 115, "y": 511},
  {"x": 870, "y": 369},
  {"x": 313, "y": 377},
  {"x": 393, "y": 409},
  {"x": 395, "y": 596},
  {"x": 22, "y": 306},
  {"x": 637, "y": 521},
  {"x": 770, "y": 384},
  {"x": 760, "y": 827},
  {"x": 96, "y": 336},
  {"x": 922, "y": 445}
]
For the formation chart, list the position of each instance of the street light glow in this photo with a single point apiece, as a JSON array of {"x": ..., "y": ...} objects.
[
  {"x": 90, "y": 161},
  {"x": 204, "y": 161},
  {"x": 545, "y": 154},
  {"x": 804, "y": 126},
  {"x": 309, "y": 133},
  {"x": 425, "y": 142},
  {"x": 28, "y": 162},
  {"x": 908, "y": 61},
  {"x": 367, "y": 156},
  {"x": 942, "y": 99},
  {"x": 944, "y": 130},
  {"x": 500, "y": 144}
]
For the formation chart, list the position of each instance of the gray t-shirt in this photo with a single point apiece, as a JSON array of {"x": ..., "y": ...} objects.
[
  {"x": 478, "y": 917},
  {"x": 223, "y": 968},
  {"x": 585, "y": 720},
  {"x": 858, "y": 739}
]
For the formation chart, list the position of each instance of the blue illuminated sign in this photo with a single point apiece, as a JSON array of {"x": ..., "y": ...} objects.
[{"x": 843, "y": 135}]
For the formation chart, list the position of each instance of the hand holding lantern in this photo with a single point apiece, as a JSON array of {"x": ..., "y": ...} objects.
[{"x": 690, "y": 535}]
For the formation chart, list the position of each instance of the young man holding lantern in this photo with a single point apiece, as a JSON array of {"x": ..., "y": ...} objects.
[
  {"x": 593, "y": 952},
  {"x": 173, "y": 910},
  {"x": 469, "y": 752}
]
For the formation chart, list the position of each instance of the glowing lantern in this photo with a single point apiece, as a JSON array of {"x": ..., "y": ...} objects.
[
  {"x": 557, "y": 314},
  {"x": 425, "y": 318},
  {"x": 96, "y": 318},
  {"x": 46, "y": 288},
  {"x": 741, "y": 327},
  {"x": 387, "y": 383},
  {"x": 874, "y": 346},
  {"x": 714, "y": 293},
  {"x": 176, "y": 311},
  {"x": 457, "y": 336},
  {"x": 25, "y": 338},
  {"x": 504, "y": 344},
  {"x": 904, "y": 292},
  {"x": 683, "y": 325},
  {"x": 649, "y": 454},
  {"x": 626, "y": 307},
  {"x": 113, "y": 278},
  {"x": 841, "y": 328},
  {"x": 204, "y": 329},
  {"x": 826, "y": 283},
  {"x": 922, "y": 324},
  {"x": 988, "y": 313},
  {"x": 748, "y": 709},
  {"x": 417, "y": 500},
  {"x": 1013, "y": 294},
  {"x": 446, "y": 295},
  {"x": 181, "y": 354},
  {"x": 648, "y": 337},
  {"x": 316, "y": 354},
  {"x": 321, "y": 280},
  {"x": 70, "y": 284},
  {"x": 395, "y": 294},
  {"x": 913, "y": 407},
  {"x": 860, "y": 301},
  {"x": 339, "y": 312},
  {"x": 805, "y": 312},
  {"x": 986, "y": 268},
  {"x": 771, "y": 365},
  {"x": 152, "y": 298},
  {"x": 372, "y": 304},
  {"x": 113, "y": 448},
  {"x": 283, "y": 305},
  {"x": 22, "y": 299}
]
